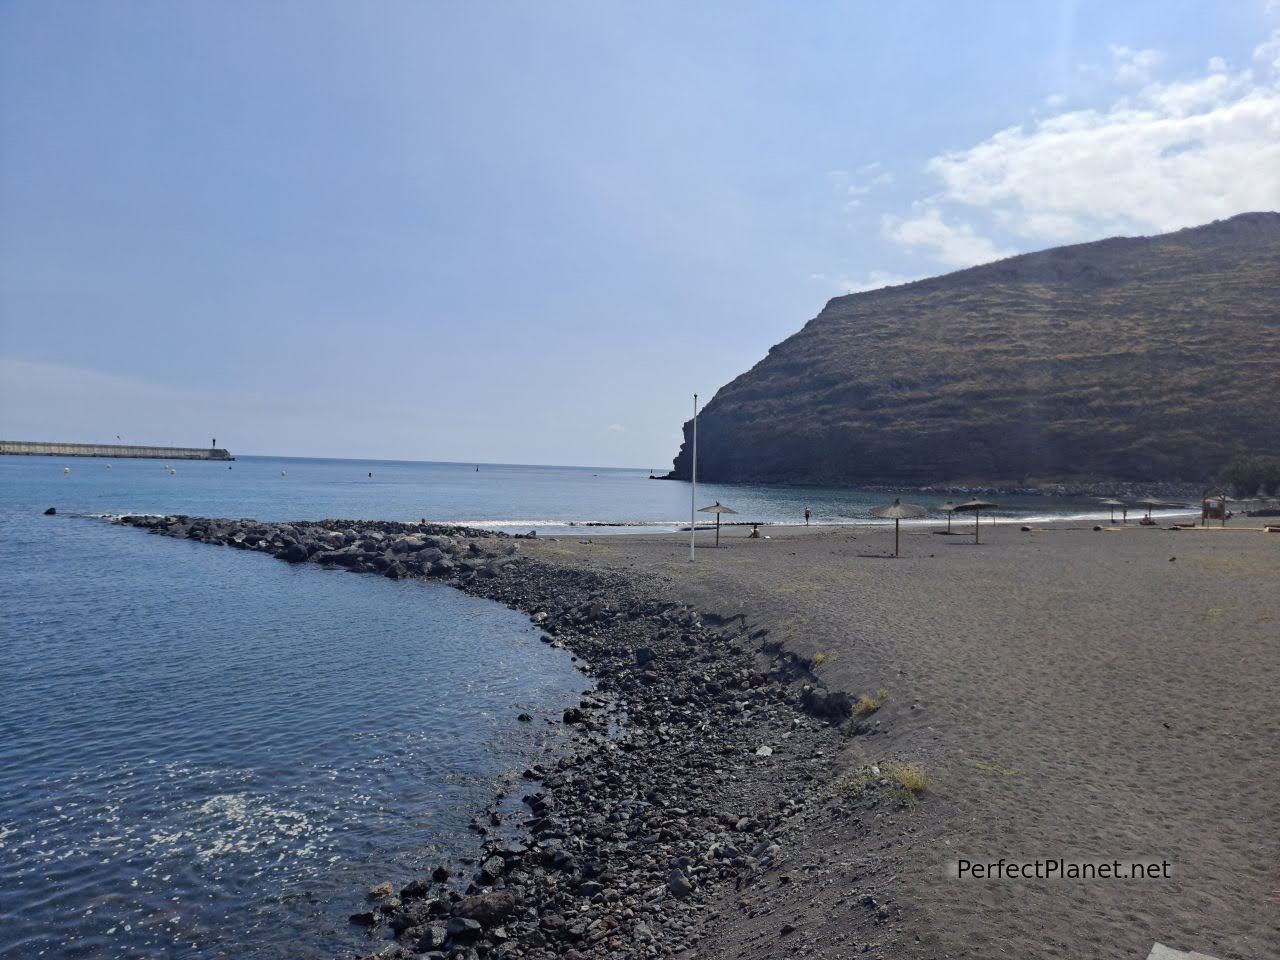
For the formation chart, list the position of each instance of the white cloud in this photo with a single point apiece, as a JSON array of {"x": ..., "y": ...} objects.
[
  {"x": 874, "y": 281},
  {"x": 1268, "y": 52},
  {"x": 617, "y": 428},
  {"x": 1134, "y": 66},
  {"x": 1173, "y": 155},
  {"x": 956, "y": 244}
]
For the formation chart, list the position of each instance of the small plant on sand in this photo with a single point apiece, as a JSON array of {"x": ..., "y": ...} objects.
[
  {"x": 883, "y": 694},
  {"x": 987, "y": 767},
  {"x": 821, "y": 657},
  {"x": 909, "y": 776},
  {"x": 866, "y": 704},
  {"x": 904, "y": 781}
]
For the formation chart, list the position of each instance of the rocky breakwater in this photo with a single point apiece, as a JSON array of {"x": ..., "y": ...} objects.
[{"x": 693, "y": 761}]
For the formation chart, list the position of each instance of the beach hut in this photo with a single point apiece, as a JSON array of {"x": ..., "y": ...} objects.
[
  {"x": 1112, "y": 504},
  {"x": 717, "y": 508},
  {"x": 977, "y": 506},
  {"x": 1213, "y": 506},
  {"x": 897, "y": 512}
]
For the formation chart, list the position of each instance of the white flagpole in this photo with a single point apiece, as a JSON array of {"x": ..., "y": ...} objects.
[{"x": 693, "y": 476}]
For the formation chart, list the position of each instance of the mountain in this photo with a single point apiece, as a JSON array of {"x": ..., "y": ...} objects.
[{"x": 1133, "y": 358}]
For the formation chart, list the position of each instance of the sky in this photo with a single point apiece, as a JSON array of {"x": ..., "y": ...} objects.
[{"x": 529, "y": 232}]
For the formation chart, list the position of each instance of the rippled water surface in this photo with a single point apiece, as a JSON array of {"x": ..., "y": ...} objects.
[{"x": 207, "y": 752}]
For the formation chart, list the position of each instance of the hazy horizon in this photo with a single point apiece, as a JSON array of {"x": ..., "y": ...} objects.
[{"x": 527, "y": 235}]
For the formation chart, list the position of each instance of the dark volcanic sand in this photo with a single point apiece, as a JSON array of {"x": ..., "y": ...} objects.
[{"x": 1072, "y": 693}]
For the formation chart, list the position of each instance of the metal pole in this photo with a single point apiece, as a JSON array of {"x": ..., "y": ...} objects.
[
  {"x": 896, "y": 521},
  {"x": 976, "y": 515},
  {"x": 717, "y": 529},
  {"x": 693, "y": 485}
]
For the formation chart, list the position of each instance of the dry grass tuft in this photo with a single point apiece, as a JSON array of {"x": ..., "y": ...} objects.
[
  {"x": 905, "y": 781},
  {"x": 865, "y": 705},
  {"x": 911, "y": 777}
]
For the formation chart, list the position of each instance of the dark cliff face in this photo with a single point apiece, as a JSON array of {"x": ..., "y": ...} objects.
[{"x": 1132, "y": 358}]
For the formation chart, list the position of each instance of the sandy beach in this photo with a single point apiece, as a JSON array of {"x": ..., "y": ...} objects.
[
  {"x": 1076, "y": 694},
  {"x": 792, "y": 744}
]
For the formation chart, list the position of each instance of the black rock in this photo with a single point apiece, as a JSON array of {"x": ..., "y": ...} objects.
[
  {"x": 829, "y": 706},
  {"x": 463, "y": 930},
  {"x": 415, "y": 890},
  {"x": 51, "y": 512},
  {"x": 486, "y": 909}
]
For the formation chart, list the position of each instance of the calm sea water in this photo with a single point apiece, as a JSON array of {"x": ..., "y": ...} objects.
[{"x": 210, "y": 753}]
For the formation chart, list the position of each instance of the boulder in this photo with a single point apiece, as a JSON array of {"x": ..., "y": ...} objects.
[
  {"x": 827, "y": 705},
  {"x": 486, "y": 909}
]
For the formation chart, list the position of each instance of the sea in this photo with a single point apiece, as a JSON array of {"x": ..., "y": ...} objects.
[{"x": 209, "y": 753}]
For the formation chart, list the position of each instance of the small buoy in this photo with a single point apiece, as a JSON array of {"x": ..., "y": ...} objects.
[
  {"x": 282, "y": 472},
  {"x": 66, "y": 469},
  {"x": 173, "y": 473},
  {"x": 108, "y": 466},
  {"x": 166, "y": 466}
]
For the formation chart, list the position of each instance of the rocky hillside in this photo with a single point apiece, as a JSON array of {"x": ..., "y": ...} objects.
[{"x": 1145, "y": 358}]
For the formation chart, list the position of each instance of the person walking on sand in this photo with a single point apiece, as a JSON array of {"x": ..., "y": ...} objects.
[{"x": 807, "y": 514}]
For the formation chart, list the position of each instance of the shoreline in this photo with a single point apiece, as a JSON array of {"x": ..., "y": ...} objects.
[
  {"x": 626, "y": 864},
  {"x": 1081, "y": 690}
]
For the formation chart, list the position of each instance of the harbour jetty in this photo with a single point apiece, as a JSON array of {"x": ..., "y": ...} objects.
[{"x": 27, "y": 448}]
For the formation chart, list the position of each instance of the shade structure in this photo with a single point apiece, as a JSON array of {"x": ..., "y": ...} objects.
[
  {"x": 897, "y": 512},
  {"x": 1112, "y": 504},
  {"x": 976, "y": 506},
  {"x": 1149, "y": 504},
  {"x": 717, "y": 508},
  {"x": 950, "y": 508}
]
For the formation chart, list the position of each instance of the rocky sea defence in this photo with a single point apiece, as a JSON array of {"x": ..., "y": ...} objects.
[{"x": 696, "y": 752}]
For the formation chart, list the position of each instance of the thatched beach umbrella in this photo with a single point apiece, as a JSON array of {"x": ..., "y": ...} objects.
[
  {"x": 717, "y": 508},
  {"x": 897, "y": 512},
  {"x": 1149, "y": 504},
  {"x": 950, "y": 508},
  {"x": 977, "y": 506},
  {"x": 1112, "y": 504}
]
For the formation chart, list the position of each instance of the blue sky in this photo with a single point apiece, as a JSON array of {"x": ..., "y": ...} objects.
[{"x": 528, "y": 232}]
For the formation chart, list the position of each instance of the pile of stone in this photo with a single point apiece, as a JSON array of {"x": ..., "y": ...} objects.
[{"x": 395, "y": 550}]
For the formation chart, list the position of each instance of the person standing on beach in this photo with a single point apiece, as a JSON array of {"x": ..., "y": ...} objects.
[{"x": 807, "y": 514}]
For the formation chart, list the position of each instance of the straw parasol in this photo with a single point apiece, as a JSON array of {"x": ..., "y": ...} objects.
[
  {"x": 1112, "y": 504},
  {"x": 977, "y": 506},
  {"x": 950, "y": 508},
  {"x": 717, "y": 508},
  {"x": 897, "y": 512},
  {"x": 1149, "y": 504}
]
